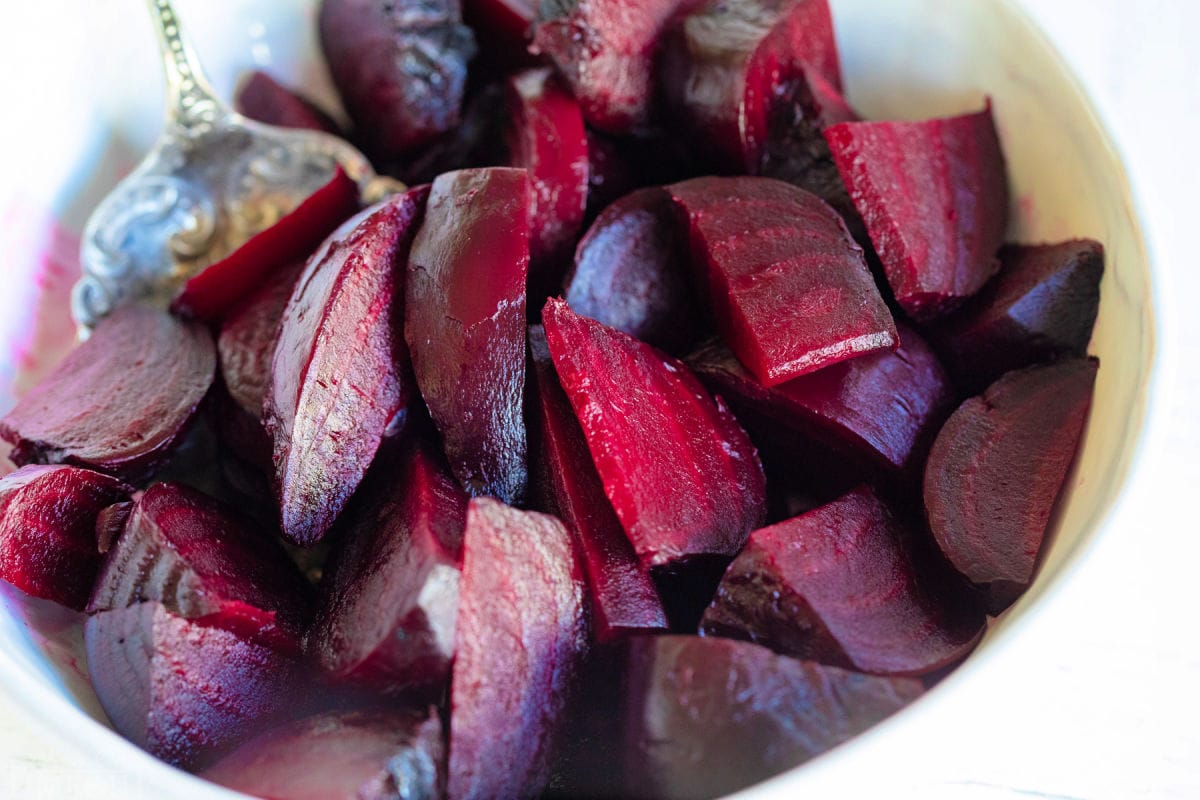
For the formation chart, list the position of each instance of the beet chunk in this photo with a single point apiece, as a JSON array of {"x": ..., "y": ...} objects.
[
  {"x": 521, "y": 632},
  {"x": 997, "y": 468},
  {"x": 400, "y": 66},
  {"x": 260, "y": 97},
  {"x": 1041, "y": 306},
  {"x": 118, "y": 402},
  {"x": 631, "y": 273},
  {"x": 340, "y": 755},
  {"x": 682, "y": 475},
  {"x": 339, "y": 376},
  {"x": 934, "y": 197},
  {"x": 48, "y": 521},
  {"x": 477, "y": 142},
  {"x": 789, "y": 288},
  {"x": 502, "y": 29},
  {"x": 390, "y": 597},
  {"x": 466, "y": 324},
  {"x": 708, "y": 716}
]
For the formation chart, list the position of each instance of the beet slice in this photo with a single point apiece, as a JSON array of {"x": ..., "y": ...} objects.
[
  {"x": 631, "y": 273},
  {"x": 624, "y": 598},
  {"x": 48, "y": 521},
  {"x": 1041, "y": 306},
  {"x": 390, "y": 598},
  {"x": 788, "y": 286},
  {"x": 934, "y": 197},
  {"x": 339, "y": 376},
  {"x": 260, "y": 97},
  {"x": 222, "y": 285},
  {"x": 997, "y": 469},
  {"x": 118, "y": 402},
  {"x": 682, "y": 475},
  {"x": 466, "y": 323},
  {"x": 521, "y": 633},
  {"x": 340, "y": 755},
  {"x": 502, "y": 28},
  {"x": 400, "y": 67},
  {"x": 709, "y": 716}
]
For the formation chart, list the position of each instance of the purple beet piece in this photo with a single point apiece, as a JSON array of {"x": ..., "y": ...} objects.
[
  {"x": 400, "y": 67},
  {"x": 466, "y": 324},
  {"x": 705, "y": 717},
  {"x": 48, "y": 520},
  {"x": 521, "y": 634},
  {"x": 110, "y": 523},
  {"x": 997, "y": 469},
  {"x": 340, "y": 755},
  {"x": 788, "y": 286},
  {"x": 624, "y": 598},
  {"x": 631, "y": 273},
  {"x": 1041, "y": 306},
  {"x": 502, "y": 28},
  {"x": 339, "y": 377},
  {"x": 260, "y": 97},
  {"x": 119, "y": 401},
  {"x": 682, "y": 475},
  {"x": 478, "y": 141},
  {"x": 934, "y": 197},
  {"x": 389, "y": 601}
]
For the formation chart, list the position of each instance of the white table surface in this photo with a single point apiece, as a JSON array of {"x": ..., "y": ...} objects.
[{"x": 1100, "y": 695}]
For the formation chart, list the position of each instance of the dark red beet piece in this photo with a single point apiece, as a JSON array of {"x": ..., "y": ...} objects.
[
  {"x": 340, "y": 755},
  {"x": 466, "y": 324},
  {"x": 340, "y": 377},
  {"x": 709, "y": 716},
  {"x": 788, "y": 286},
  {"x": 221, "y": 286},
  {"x": 400, "y": 66},
  {"x": 997, "y": 469},
  {"x": 260, "y": 97},
  {"x": 682, "y": 475},
  {"x": 521, "y": 633},
  {"x": 631, "y": 273},
  {"x": 477, "y": 142},
  {"x": 502, "y": 28},
  {"x": 389, "y": 600},
  {"x": 624, "y": 598},
  {"x": 934, "y": 197},
  {"x": 1041, "y": 306},
  {"x": 48, "y": 520},
  {"x": 118, "y": 402}
]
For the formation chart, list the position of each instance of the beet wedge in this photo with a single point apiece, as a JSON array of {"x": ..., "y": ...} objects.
[
  {"x": 934, "y": 198},
  {"x": 521, "y": 633},
  {"x": 340, "y": 373},
  {"x": 466, "y": 324},
  {"x": 118, "y": 402},
  {"x": 264, "y": 99},
  {"x": 681, "y": 474},
  {"x": 624, "y": 598},
  {"x": 788, "y": 286},
  {"x": 390, "y": 598},
  {"x": 48, "y": 522},
  {"x": 997, "y": 469}
]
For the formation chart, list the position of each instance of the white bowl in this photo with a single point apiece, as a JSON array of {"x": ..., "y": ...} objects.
[{"x": 94, "y": 108}]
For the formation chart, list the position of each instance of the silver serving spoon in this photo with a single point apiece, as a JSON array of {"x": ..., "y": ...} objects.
[{"x": 212, "y": 180}]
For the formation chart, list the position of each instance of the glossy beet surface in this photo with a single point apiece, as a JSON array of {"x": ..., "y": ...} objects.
[
  {"x": 466, "y": 324},
  {"x": 339, "y": 377},
  {"x": 934, "y": 197},
  {"x": 48, "y": 524},
  {"x": 119, "y": 401},
  {"x": 260, "y": 97},
  {"x": 789, "y": 288},
  {"x": 997, "y": 468},
  {"x": 521, "y": 631},
  {"x": 682, "y": 475}
]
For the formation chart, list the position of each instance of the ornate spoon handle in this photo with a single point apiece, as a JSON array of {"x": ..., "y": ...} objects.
[{"x": 191, "y": 101}]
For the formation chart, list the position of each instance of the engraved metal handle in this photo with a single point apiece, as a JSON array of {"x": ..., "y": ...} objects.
[{"x": 191, "y": 101}]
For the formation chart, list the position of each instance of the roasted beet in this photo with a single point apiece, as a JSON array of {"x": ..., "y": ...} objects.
[
  {"x": 477, "y": 142},
  {"x": 997, "y": 468},
  {"x": 934, "y": 197},
  {"x": 400, "y": 67},
  {"x": 466, "y": 323},
  {"x": 682, "y": 475},
  {"x": 521, "y": 632},
  {"x": 260, "y": 97},
  {"x": 48, "y": 523},
  {"x": 342, "y": 755},
  {"x": 788, "y": 286},
  {"x": 631, "y": 273},
  {"x": 340, "y": 376},
  {"x": 502, "y": 28},
  {"x": 119, "y": 401}
]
